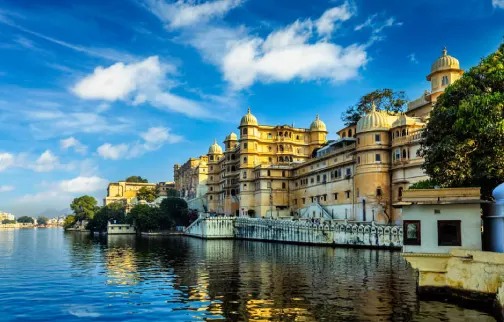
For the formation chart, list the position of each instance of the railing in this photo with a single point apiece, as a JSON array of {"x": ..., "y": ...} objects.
[{"x": 415, "y": 136}]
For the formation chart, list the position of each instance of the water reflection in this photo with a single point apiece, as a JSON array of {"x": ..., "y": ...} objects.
[{"x": 121, "y": 278}]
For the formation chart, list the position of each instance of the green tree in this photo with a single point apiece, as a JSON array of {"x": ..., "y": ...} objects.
[
  {"x": 84, "y": 207},
  {"x": 172, "y": 192},
  {"x": 138, "y": 179},
  {"x": 25, "y": 220},
  {"x": 147, "y": 193},
  {"x": 424, "y": 184},
  {"x": 8, "y": 221},
  {"x": 69, "y": 221},
  {"x": 463, "y": 143},
  {"x": 384, "y": 99},
  {"x": 144, "y": 217},
  {"x": 174, "y": 212},
  {"x": 41, "y": 220},
  {"x": 114, "y": 213}
]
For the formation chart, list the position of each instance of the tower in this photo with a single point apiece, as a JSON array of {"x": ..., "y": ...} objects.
[
  {"x": 318, "y": 133},
  {"x": 444, "y": 71}
]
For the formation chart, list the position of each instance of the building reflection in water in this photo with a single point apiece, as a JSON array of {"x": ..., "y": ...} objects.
[{"x": 120, "y": 260}]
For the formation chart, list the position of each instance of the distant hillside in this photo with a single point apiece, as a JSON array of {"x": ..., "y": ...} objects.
[{"x": 53, "y": 213}]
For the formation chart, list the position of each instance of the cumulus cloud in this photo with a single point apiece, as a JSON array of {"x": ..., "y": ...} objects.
[
  {"x": 153, "y": 139},
  {"x": 72, "y": 142},
  {"x": 6, "y": 161},
  {"x": 83, "y": 184},
  {"x": 6, "y": 188},
  {"x": 46, "y": 162},
  {"x": 498, "y": 4},
  {"x": 187, "y": 12},
  {"x": 326, "y": 24},
  {"x": 136, "y": 83}
]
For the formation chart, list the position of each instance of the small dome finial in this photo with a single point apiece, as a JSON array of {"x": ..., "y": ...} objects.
[
  {"x": 214, "y": 141},
  {"x": 445, "y": 51},
  {"x": 373, "y": 107},
  {"x": 248, "y": 110},
  {"x": 317, "y": 117}
]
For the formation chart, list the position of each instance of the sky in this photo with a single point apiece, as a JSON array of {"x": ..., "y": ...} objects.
[{"x": 93, "y": 91}]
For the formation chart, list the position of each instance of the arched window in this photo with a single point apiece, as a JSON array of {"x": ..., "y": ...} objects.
[
  {"x": 318, "y": 178},
  {"x": 358, "y": 160},
  {"x": 280, "y": 134},
  {"x": 269, "y": 173},
  {"x": 245, "y": 160},
  {"x": 211, "y": 188},
  {"x": 283, "y": 185},
  {"x": 211, "y": 197},
  {"x": 245, "y": 145},
  {"x": 444, "y": 81},
  {"x": 244, "y": 131},
  {"x": 404, "y": 132},
  {"x": 281, "y": 148},
  {"x": 404, "y": 154},
  {"x": 269, "y": 136},
  {"x": 290, "y": 158},
  {"x": 399, "y": 193},
  {"x": 270, "y": 159},
  {"x": 350, "y": 133},
  {"x": 379, "y": 192},
  {"x": 298, "y": 151},
  {"x": 233, "y": 193},
  {"x": 232, "y": 156},
  {"x": 397, "y": 134},
  {"x": 283, "y": 173},
  {"x": 211, "y": 158},
  {"x": 343, "y": 135},
  {"x": 233, "y": 168},
  {"x": 297, "y": 137},
  {"x": 286, "y": 134},
  {"x": 281, "y": 159}
]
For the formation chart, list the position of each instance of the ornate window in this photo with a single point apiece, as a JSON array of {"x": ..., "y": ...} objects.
[
  {"x": 412, "y": 232},
  {"x": 377, "y": 138},
  {"x": 444, "y": 81}
]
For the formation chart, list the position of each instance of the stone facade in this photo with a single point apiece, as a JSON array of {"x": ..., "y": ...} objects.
[{"x": 284, "y": 172}]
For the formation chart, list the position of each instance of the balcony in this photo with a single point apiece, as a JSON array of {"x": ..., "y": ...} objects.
[{"x": 410, "y": 138}]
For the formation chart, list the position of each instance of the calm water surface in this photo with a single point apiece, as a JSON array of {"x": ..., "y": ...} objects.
[{"x": 49, "y": 275}]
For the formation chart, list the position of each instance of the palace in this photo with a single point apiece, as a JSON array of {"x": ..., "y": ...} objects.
[{"x": 283, "y": 171}]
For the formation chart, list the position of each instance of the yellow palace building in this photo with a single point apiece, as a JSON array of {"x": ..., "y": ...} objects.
[{"x": 283, "y": 172}]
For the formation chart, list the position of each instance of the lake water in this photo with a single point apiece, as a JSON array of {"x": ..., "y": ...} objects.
[{"x": 49, "y": 275}]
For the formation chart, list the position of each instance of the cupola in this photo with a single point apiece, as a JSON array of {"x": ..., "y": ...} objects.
[
  {"x": 231, "y": 137},
  {"x": 318, "y": 125},
  {"x": 248, "y": 119},
  {"x": 215, "y": 148},
  {"x": 374, "y": 121},
  {"x": 444, "y": 63}
]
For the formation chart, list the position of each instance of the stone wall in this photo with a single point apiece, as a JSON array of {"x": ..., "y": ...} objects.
[{"x": 328, "y": 233}]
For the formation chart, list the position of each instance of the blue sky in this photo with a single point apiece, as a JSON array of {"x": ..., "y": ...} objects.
[{"x": 94, "y": 91}]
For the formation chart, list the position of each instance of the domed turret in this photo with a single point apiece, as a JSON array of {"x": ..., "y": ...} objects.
[
  {"x": 318, "y": 125},
  {"x": 215, "y": 148},
  {"x": 231, "y": 137},
  {"x": 248, "y": 119},
  {"x": 374, "y": 121},
  {"x": 443, "y": 63},
  {"x": 403, "y": 120}
]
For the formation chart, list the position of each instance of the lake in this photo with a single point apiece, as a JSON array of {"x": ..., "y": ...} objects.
[{"x": 50, "y": 275}]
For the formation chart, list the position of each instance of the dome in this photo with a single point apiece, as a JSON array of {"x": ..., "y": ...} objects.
[
  {"x": 403, "y": 120},
  {"x": 445, "y": 62},
  {"x": 231, "y": 137},
  {"x": 498, "y": 193},
  {"x": 318, "y": 125},
  {"x": 374, "y": 121},
  {"x": 248, "y": 119},
  {"x": 215, "y": 148}
]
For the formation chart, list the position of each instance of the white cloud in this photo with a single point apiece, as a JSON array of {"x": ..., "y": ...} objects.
[
  {"x": 367, "y": 23},
  {"x": 498, "y": 3},
  {"x": 187, "y": 12},
  {"x": 6, "y": 161},
  {"x": 136, "y": 83},
  {"x": 412, "y": 58},
  {"x": 326, "y": 24},
  {"x": 65, "y": 144},
  {"x": 83, "y": 184},
  {"x": 112, "y": 152},
  {"x": 153, "y": 139},
  {"x": 378, "y": 26},
  {"x": 46, "y": 162},
  {"x": 390, "y": 22},
  {"x": 6, "y": 188}
]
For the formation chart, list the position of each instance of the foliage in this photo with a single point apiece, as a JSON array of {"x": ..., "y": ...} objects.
[
  {"x": 41, "y": 220},
  {"x": 463, "y": 143},
  {"x": 144, "y": 217},
  {"x": 84, "y": 207},
  {"x": 114, "y": 213},
  {"x": 424, "y": 184},
  {"x": 147, "y": 193},
  {"x": 251, "y": 213},
  {"x": 8, "y": 221},
  {"x": 138, "y": 179},
  {"x": 172, "y": 193},
  {"x": 384, "y": 99},
  {"x": 69, "y": 221},
  {"x": 174, "y": 211},
  {"x": 25, "y": 220}
]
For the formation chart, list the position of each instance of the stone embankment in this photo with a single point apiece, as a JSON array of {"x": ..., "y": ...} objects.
[{"x": 350, "y": 234}]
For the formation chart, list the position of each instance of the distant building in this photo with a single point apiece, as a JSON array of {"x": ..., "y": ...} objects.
[
  {"x": 123, "y": 192},
  {"x": 6, "y": 215},
  {"x": 163, "y": 187}
]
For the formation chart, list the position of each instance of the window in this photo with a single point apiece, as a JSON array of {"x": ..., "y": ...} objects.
[
  {"x": 358, "y": 160},
  {"x": 335, "y": 196},
  {"x": 244, "y": 174},
  {"x": 347, "y": 193},
  {"x": 297, "y": 138},
  {"x": 245, "y": 145},
  {"x": 397, "y": 134},
  {"x": 444, "y": 81},
  {"x": 398, "y": 154},
  {"x": 404, "y": 154},
  {"x": 377, "y": 157},
  {"x": 350, "y": 133},
  {"x": 211, "y": 168},
  {"x": 304, "y": 201},
  {"x": 211, "y": 158},
  {"x": 358, "y": 193},
  {"x": 283, "y": 185},
  {"x": 211, "y": 197},
  {"x": 412, "y": 232},
  {"x": 281, "y": 148},
  {"x": 295, "y": 201},
  {"x": 348, "y": 171},
  {"x": 211, "y": 178},
  {"x": 283, "y": 173},
  {"x": 269, "y": 137},
  {"x": 270, "y": 159},
  {"x": 245, "y": 160},
  {"x": 211, "y": 188},
  {"x": 269, "y": 185},
  {"x": 324, "y": 178},
  {"x": 399, "y": 193},
  {"x": 318, "y": 178},
  {"x": 244, "y": 131},
  {"x": 339, "y": 173},
  {"x": 377, "y": 137},
  {"x": 312, "y": 180},
  {"x": 269, "y": 149},
  {"x": 269, "y": 173},
  {"x": 404, "y": 132},
  {"x": 358, "y": 141},
  {"x": 379, "y": 192},
  {"x": 449, "y": 233}
]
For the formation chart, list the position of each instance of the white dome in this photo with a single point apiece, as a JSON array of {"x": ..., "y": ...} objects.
[
  {"x": 248, "y": 119},
  {"x": 445, "y": 62},
  {"x": 318, "y": 125},
  {"x": 375, "y": 121},
  {"x": 231, "y": 137},
  {"x": 215, "y": 148}
]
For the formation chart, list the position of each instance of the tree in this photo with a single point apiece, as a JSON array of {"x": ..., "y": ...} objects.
[
  {"x": 138, "y": 179},
  {"x": 463, "y": 143},
  {"x": 114, "y": 213},
  {"x": 144, "y": 217},
  {"x": 42, "y": 221},
  {"x": 424, "y": 184},
  {"x": 8, "y": 221},
  {"x": 84, "y": 207},
  {"x": 69, "y": 221},
  {"x": 25, "y": 220},
  {"x": 172, "y": 192},
  {"x": 384, "y": 99},
  {"x": 147, "y": 193},
  {"x": 385, "y": 203},
  {"x": 174, "y": 212}
]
